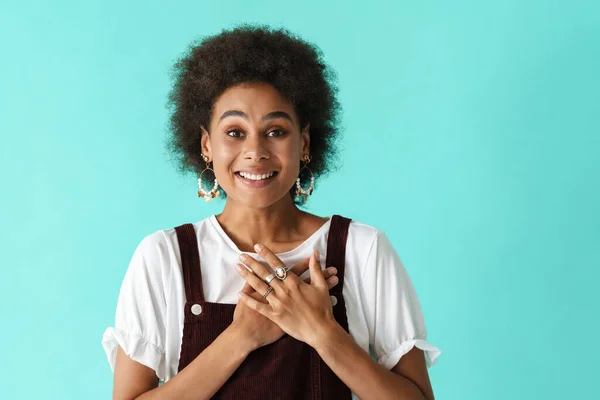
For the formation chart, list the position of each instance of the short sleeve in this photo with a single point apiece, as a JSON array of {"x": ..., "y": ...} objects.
[
  {"x": 393, "y": 313},
  {"x": 141, "y": 311}
]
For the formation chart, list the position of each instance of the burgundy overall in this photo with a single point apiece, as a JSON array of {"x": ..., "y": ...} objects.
[{"x": 286, "y": 369}]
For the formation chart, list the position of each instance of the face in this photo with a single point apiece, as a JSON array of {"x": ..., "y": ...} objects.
[{"x": 256, "y": 144}]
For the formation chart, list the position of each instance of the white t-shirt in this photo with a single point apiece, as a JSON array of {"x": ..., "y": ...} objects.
[{"x": 384, "y": 314}]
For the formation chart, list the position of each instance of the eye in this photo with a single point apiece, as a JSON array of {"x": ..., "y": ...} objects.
[
  {"x": 276, "y": 132},
  {"x": 234, "y": 133}
]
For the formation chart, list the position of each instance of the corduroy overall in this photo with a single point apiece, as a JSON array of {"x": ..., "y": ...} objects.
[{"x": 286, "y": 369}]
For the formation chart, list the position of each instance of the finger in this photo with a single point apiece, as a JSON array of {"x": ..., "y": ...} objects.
[
  {"x": 301, "y": 267},
  {"x": 268, "y": 255},
  {"x": 256, "y": 296},
  {"x": 273, "y": 261},
  {"x": 247, "y": 288},
  {"x": 315, "y": 271},
  {"x": 264, "y": 309},
  {"x": 331, "y": 282},
  {"x": 259, "y": 270},
  {"x": 327, "y": 273},
  {"x": 254, "y": 281}
]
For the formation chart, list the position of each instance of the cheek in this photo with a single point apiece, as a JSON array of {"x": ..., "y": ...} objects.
[
  {"x": 221, "y": 166},
  {"x": 223, "y": 156},
  {"x": 291, "y": 158},
  {"x": 227, "y": 156}
]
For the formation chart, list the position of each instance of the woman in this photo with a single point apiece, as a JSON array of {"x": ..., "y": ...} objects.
[{"x": 264, "y": 300}]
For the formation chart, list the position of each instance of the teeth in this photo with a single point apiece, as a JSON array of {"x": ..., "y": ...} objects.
[{"x": 256, "y": 177}]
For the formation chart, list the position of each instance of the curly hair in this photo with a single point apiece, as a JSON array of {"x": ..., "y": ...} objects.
[{"x": 248, "y": 54}]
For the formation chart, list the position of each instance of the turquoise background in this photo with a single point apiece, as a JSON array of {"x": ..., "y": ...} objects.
[{"x": 475, "y": 127}]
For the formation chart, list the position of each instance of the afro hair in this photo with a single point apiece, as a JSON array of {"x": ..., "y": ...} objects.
[{"x": 246, "y": 54}]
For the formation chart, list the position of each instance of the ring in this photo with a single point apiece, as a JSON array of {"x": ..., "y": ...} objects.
[
  {"x": 269, "y": 290},
  {"x": 269, "y": 278},
  {"x": 281, "y": 272}
]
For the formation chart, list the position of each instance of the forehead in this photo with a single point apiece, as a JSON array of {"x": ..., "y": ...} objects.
[{"x": 255, "y": 99}]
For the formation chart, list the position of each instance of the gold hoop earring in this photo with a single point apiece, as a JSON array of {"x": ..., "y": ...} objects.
[
  {"x": 304, "y": 193},
  {"x": 214, "y": 192}
]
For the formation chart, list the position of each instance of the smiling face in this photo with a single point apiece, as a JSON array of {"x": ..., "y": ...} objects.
[{"x": 255, "y": 144}]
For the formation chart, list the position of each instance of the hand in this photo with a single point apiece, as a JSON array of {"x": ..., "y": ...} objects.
[
  {"x": 258, "y": 329},
  {"x": 303, "y": 310}
]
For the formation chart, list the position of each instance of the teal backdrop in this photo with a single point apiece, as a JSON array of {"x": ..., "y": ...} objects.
[{"x": 471, "y": 137}]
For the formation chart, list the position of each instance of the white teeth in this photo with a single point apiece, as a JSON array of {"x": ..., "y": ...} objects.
[{"x": 256, "y": 177}]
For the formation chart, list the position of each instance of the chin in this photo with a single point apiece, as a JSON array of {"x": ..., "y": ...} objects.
[{"x": 259, "y": 200}]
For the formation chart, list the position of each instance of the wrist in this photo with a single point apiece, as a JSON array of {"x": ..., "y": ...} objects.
[
  {"x": 245, "y": 343},
  {"x": 326, "y": 334}
]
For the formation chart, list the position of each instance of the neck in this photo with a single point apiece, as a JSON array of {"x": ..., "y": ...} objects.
[{"x": 276, "y": 224}]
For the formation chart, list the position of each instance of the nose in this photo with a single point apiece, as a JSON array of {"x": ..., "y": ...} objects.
[{"x": 255, "y": 148}]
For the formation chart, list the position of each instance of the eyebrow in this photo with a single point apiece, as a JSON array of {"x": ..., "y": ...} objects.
[{"x": 269, "y": 116}]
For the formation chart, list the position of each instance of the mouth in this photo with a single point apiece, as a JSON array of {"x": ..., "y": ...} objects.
[
  {"x": 256, "y": 177},
  {"x": 256, "y": 180}
]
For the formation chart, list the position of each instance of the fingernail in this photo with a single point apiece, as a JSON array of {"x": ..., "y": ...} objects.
[
  {"x": 238, "y": 267},
  {"x": 243, "y": 257},
  {"x": 240, "y": 295},
  {"x": 334, "y": 279},
  {"x": 257, "y": 247}
]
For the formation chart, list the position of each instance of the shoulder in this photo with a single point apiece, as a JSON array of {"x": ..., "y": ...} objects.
[
  {"x": 158, "y": 251},
  {"x": 166, "y": 239},
  {"x": 156, "y": 245},
  {"x": 363, "y": 242},
  {"x": 363, "y": 232},
  {"x": 363, "y": 235}
]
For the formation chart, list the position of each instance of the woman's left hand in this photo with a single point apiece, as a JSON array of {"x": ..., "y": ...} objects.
[{"x": 304, "y": 311}]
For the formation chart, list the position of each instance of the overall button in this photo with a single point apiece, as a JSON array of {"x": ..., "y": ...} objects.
[
  {"x": 333, "y": 300},
  {"x": 196, "y": 309}
]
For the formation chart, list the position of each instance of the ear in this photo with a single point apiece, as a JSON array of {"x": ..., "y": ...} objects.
[
  {"x": 305, "y": 141},
  {"x": 205, "y": 142}
]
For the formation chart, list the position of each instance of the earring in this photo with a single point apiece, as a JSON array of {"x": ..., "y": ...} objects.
[
  {"x": 203, "y": 193},
  {"x": 302, "y": 192}
]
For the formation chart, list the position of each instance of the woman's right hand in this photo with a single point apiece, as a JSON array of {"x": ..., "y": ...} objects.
[{"x": 259, "y": 330}]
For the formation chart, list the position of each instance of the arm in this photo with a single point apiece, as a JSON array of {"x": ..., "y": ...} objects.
[
  {"x": 214, "y": 366},
  {"x": 199, "y": 380},
  {"x": 408, "y": 380},
  {"x": 142, "y": 308},
  {"x": 305, "y": 313}
]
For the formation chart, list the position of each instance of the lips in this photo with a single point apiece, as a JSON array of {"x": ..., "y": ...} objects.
[
  {"x": 256, "y": 176},
  {"x": 256, "y": 182}
]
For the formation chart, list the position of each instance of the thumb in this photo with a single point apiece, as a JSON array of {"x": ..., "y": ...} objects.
[{"x": 316, "y": 274}]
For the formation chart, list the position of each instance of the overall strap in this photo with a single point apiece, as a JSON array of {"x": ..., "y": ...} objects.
[
  {"x": 336, "y": 248},
  {"x": 336, "y": 257},
  {"x": 190, "y": 262}
]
